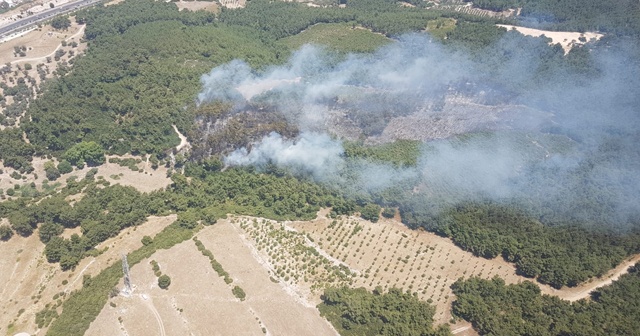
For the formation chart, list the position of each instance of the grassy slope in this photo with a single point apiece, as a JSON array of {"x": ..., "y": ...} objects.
[{"x": 342, "y": 37}]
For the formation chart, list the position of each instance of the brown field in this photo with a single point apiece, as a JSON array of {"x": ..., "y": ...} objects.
[
  {"x": 40, "y": 43},
  {"x": 28, "y": 282},
  {"x": 208, "y": 6},
  {"x": 199, "y": 302}
]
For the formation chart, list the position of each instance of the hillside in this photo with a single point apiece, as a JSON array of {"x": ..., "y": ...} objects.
[{"x": 359, "y": 167}]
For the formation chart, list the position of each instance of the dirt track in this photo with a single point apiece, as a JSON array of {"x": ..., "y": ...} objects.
[{"x": 582, "y": 291}]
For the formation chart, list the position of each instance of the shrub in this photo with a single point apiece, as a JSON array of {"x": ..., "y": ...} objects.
[
  {"x": 164, "y": 281},
  {"x": 64, "y": 167},
  {"x": 5, "y": 232},
  {"x": 239, "y": 293}
]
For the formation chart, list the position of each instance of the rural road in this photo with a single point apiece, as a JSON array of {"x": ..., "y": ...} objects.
[
  {"x": 43, "y": 16},
  {"x": 149, "y": 302},
  {"x": 584, "y": 290}
]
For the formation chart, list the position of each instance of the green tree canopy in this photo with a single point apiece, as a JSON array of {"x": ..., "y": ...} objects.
[
  {"x": 164, "y": 281},
  {"x": 61, "y": 23},
  {"x": 89, "y": 152}
]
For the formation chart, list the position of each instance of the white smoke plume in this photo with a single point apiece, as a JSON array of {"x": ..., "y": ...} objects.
[
  {"x": 312, "y": 153},
  {"x": 413, "y": 65},
  {"x": 593, "y": 115}
]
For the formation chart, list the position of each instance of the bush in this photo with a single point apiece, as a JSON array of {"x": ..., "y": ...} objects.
[
  {"x": 370, "y": 212},
  {"x": 64, "y": 167},
  {"x": 164, "y": 281},
  {"x": 89, "y": 152},
  {"x": 389, "y": 212},
  {"x": 146, "y": 240},
  {"x": 239, "y": 293},
  {"x": 51, "y": 171},
  {"x": 5, "y": 232},
  {"x": 61, "y": 23}
]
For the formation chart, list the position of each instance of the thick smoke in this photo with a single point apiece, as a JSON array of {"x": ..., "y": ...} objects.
[
  {"x": 322, "y": 157},
  {"x": 301, "y": 88},
  {"x": 312, "y": 153},
  {"x": 579, "y": 156}
]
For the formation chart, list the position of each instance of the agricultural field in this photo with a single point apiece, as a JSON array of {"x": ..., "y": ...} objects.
[{"x": 351, "y": 251}]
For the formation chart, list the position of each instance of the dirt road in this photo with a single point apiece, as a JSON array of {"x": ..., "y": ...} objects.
[{"x": 584, "y": 290}]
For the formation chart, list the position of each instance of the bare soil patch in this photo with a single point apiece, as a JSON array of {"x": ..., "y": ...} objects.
[
  {"x": 566, "y": 39},
  {"x": 40, "y": 43},
  {"x": 233, "y": 3},
  {"x": 198, "y": 5},
  {"x": 145, "y": 179},
  {"x": 197, "y": 302}
]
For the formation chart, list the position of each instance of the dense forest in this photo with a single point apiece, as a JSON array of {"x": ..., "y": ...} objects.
[
  {"x": 556, "y": 255},
  {"x": 139, "y": 77},
  {"x": 360, "y": 312},
  {"x": 498, "y": 309}
]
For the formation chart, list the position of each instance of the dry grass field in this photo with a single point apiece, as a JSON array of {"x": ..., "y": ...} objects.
[
  {"x": 41, "y": 43},
  {"x": 28, "y": 282},
  {"x": 199, "y": 302},
  {"x": 208, "y": 6}
]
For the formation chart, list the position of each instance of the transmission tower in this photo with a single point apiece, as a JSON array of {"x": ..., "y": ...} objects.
[{"x": 127, "y": 278}]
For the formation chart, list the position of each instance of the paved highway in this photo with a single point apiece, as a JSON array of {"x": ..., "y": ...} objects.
[{"x": 34, "y": 19}]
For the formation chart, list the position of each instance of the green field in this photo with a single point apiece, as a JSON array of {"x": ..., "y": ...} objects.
[
  {"x": 342, "y": 37},
  {"x": 440, "y": 27}
]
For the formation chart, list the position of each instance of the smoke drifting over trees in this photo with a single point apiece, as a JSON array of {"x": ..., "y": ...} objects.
[{"x": 573, "y": 158}]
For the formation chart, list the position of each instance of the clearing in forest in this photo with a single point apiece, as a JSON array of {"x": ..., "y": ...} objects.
[
  {"x": 40, "y": 43},
  {"x": 342, "y": 37},
  {"x": 208, "y": 6},
  {"x": 566, "y": 39}
]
